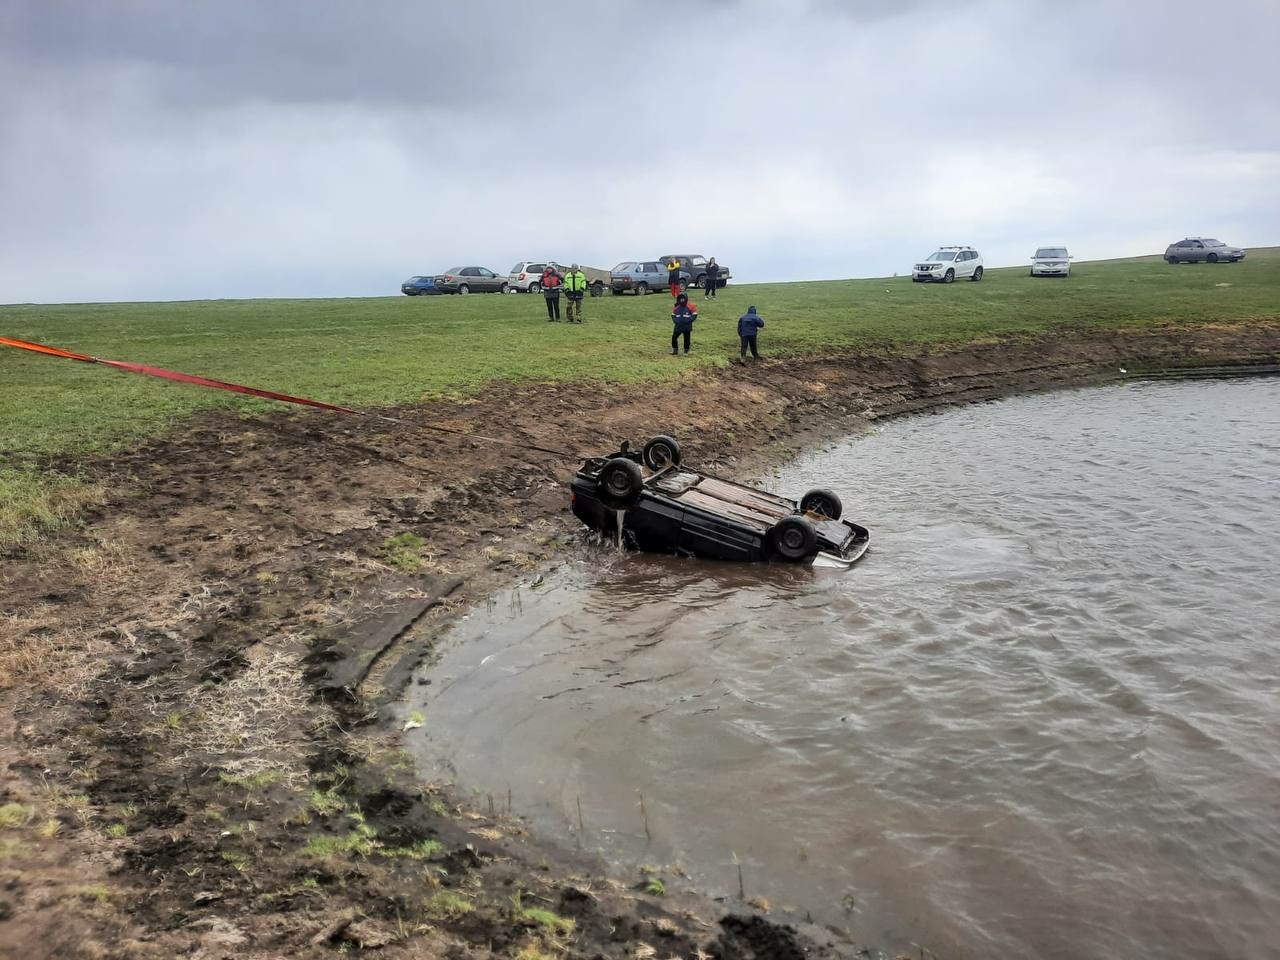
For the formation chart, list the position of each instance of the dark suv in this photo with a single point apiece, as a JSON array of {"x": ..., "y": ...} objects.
[{"x": 695, "y": 265}]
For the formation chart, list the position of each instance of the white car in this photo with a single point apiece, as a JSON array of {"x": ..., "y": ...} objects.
[
  {"x": 526, "y": 276},
  {"x": 947, "y": 264},
  {"x": 1051, "y": 262}
]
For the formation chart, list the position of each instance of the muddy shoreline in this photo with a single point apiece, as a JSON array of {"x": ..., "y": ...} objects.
[{"x": 192, "y": 683}]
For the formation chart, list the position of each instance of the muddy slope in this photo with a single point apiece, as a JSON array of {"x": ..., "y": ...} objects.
[{"x": 191, "y": 761}]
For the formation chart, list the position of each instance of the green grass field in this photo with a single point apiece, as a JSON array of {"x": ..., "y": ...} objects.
[{"x": 401, "y": 349}]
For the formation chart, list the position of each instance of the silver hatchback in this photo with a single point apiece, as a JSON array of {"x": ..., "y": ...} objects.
[{"x": 1198, "y": 249}]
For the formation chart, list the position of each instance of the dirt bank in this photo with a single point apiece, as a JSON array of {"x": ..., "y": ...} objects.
[{"x": 191, "y": 761}]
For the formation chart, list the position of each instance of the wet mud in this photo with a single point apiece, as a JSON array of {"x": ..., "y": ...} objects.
[{"x": 194, "y": 683}]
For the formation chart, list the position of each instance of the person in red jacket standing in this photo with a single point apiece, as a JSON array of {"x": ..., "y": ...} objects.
[{"x": 551, "y": 281}]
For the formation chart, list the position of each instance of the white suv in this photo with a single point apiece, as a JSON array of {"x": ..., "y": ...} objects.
[
  {"x": 526, "y": 276},
  {"x": 947, "y": 264}
]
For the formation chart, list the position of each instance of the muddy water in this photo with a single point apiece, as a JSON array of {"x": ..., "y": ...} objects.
[{"x": 1039, "y": 719}]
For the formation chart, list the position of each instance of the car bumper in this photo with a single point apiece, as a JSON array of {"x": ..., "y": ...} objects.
[
  {"x": 1042, "y": 271},
  {"x": 925, "y": 277}
]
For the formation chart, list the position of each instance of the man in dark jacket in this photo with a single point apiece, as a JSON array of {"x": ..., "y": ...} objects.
[
  {"x": 682, "y": 316},
  {"x": 749, "y": 325},
  {"x": 551, "y": 281},
  {"x": 713, "y": 277}
]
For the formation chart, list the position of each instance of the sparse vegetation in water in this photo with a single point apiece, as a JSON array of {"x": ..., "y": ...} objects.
[
  {"x": 655, "y": 886},
  {"x": 326, "y": 802},
  {"x": 548, "y": 921}
]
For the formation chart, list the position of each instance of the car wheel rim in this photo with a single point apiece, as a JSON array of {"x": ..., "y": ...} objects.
[{"x": 793, "y": 539}]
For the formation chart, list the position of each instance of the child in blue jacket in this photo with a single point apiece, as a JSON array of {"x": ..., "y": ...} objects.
[
  {"x": 749, "y": 325},
  {"x": 682, "y": 316}
]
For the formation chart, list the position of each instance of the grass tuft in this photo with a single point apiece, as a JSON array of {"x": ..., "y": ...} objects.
[{"x": 446, "y": 905}]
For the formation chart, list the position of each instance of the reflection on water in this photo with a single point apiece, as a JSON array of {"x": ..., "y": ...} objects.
[{"x": 1039, "y": 719}]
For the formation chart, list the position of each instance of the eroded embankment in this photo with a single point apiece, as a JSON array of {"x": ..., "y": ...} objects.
[{"x": 192, "y": 681}]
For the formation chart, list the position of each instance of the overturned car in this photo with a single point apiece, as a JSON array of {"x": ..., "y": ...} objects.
[{"x": 648, "y": 500}]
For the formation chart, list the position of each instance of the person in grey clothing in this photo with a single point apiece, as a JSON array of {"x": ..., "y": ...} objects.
[{"x": 749, "y": 325}]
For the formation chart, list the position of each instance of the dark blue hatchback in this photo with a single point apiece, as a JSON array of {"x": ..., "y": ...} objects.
[{"x": 418, "y": 286}]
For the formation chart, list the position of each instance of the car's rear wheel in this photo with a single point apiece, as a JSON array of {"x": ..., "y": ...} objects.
[
  {"x": 1171, "y": 258},
  {"x": 950, "y": 276},
  {"x": 1212, "y": 258},
  {"x": 661, "y": 451},
  {"x": 977, "y": 274},
  {"x": 535, "y": 287},
  {"x": 463, "y": 289},
  {"x": 793, "y": 538},
  {"x": 641, "y": 289},
  {"x": 822, "y": 501},
  {"x": 620, "y": 483}
]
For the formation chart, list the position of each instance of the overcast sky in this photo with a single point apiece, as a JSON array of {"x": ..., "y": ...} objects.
[{"x": 173, "y": 149}]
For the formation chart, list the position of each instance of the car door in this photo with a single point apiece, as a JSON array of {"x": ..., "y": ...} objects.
[
  {"x": 488, "y": 280},
  {"x": 654, "y": 274},
  {"x": 1196, "y": 251},
  {"x": 970, "y": 262}
]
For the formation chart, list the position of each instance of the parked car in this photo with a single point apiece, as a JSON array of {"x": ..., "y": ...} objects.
[
  {"x": 672, "y": 509},
  {"x": 947, "y": 264},
  {"x": 1195, "y": 249},
  {"x": 1051, "y": 262},
  {"x": 639, "y": 277},
  {"x": 526, "y": 276},
  {"x": 418, "y": 286},
  {"x": 695, "y": 265},
  {"x": 470, "y": 280}
]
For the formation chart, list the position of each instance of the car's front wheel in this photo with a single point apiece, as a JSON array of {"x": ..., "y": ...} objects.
[
  {"x": 977, "y": 274},
  {"x": 949, "y": 277},
  {"x": 620, "y": 483},
  {"x": 824, "y": 502},
  {"x": 464, "y": 289},
  {"x": 535, "y": 287},
  {"x": 1212, "y": 258},
  {"x": 793, "y": 538},
  {"x": 661, "y": 451},
  {"x": 502, "y": 289}
]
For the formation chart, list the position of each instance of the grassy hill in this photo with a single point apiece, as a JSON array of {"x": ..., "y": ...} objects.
[{"x": 401, "y": 349}]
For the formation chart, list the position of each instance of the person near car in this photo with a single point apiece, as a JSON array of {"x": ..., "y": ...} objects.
[
  {"x": 682, "y": 316},
  {"x": 749, "y": 325},
  {"x": 673, "y": 276},
  {"x": 575, "y": 288},
  {"x": 713, "y": 277},
  {"x": 551, "y": 281}
]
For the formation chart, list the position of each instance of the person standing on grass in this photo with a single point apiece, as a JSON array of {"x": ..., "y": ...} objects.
[
  {"x": 713, "y": 277},
  {"x": 551, "y": 281},
  {"x": 575, "y": 287},
  {"x": 749, "y": 325},
  {"x": 673, "y": 276},
  {"x": 682, "y": 316}
]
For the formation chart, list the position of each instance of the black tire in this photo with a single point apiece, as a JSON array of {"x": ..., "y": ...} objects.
[
  {"x": 793, "y": 539},
  {"x": 535, "y": 287},
  {"x": 620, "y": 483},
  {"x": 661, "y": 451},
  {"x": 597, "y": 289},
  {"x": 977, "y": 274},
  {"x": 822, "y": 501},
  {"x": 950, "y": 276},
  {"x": 463, "y": 289},
  {"x": 641, "y": 288},
  {"x": 502, "y": 289},
  {"x": 1212, "y": 258},
  {"x": 700, "y": 281},
  {"x": 1171, "y": 258}
]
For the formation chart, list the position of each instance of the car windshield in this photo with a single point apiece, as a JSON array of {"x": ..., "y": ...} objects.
[
  {"x": 943, "y": 255},
  {"x": 1214, "y": 243},
  {"x": 1051, "y": 253}
]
